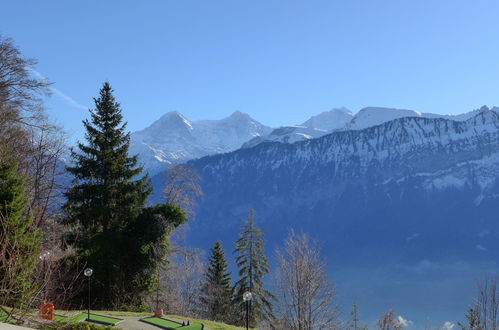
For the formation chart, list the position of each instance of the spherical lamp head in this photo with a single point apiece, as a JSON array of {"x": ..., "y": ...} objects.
[
  {"x": 88, "y": 272},
  {"x": 247, "y": 296}
]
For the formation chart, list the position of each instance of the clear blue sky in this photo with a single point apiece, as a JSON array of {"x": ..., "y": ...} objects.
[{"x": 279, "y": 61}]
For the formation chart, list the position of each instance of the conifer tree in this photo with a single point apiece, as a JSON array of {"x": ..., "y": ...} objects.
[
  {"x": 115, "y": 233},
  {"x": 216, "y": 291},
  {"x": 19, "y": 241},
  {"x": 253, "y": 266}
]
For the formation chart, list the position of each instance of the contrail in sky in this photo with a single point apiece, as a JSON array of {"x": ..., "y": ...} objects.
[{"x": 69, "y": 100}]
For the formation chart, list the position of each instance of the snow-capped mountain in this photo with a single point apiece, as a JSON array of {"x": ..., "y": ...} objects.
[
  {"x": 317, "y": 126},
  {"x": 372, "y": 116},
  {"x": 343, "y": 119},
  {"x": 411, "y": 146},
  {"x": 412, "y": 202},
  {"x": 287, "y": 134},
  {"x": 174, "y": 139},
  {"x": 330, "y": 120}
]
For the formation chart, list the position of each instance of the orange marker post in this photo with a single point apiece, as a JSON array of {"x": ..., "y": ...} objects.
[{"x": 47, "y": 311}]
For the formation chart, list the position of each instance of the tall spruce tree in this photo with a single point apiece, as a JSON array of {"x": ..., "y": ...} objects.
[
  {"x": 216, "y": 291},
  {"x": 253, "y": 266},
  {"x": 20, "y": 242},
  {"x": 116, "y": 235}
]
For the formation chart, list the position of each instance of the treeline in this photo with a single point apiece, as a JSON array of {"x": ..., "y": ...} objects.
[{"x": 50, "y": 232}]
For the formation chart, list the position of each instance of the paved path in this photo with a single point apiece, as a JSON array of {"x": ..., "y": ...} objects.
[
  {"x": 15, "y": 327},
  {"x": 133, "y": 323}
]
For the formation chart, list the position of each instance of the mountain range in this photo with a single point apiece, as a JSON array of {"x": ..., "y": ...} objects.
[
  {"x": 404, "y": 203},
  {"x": 174, "y": 139}
]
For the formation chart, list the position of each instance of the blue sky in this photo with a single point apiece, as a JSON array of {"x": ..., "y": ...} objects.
[{"x": 279, "y": 61}]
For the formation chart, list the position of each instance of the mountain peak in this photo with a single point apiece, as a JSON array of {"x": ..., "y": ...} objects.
[
  {"x": 172, "y": 116},
  {"x": 173, "y": 138},
  {"x": 330, "y": 120},
  {"x": 239, "y": 115}
]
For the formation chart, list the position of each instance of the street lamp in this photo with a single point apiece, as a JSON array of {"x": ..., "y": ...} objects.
[
  {"x": 247, "y": 296},
  {"x": 88, "y": 272},
  {"x": 43, "y": 257}
]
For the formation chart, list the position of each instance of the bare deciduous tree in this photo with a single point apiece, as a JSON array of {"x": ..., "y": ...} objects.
[
  {"x": 306, "y": 296},
  {"x": 389, "y": 322},
  {"x": 28, "y": 137},
  {"x": 25, "y": 132},
  {"x": 182, "y": 187},
  {"x": 180, "y": 278},
  {"x": 487, "y": 303},
  {"x": 184, "y": 275},
  {"x": 20, "y": 91}
]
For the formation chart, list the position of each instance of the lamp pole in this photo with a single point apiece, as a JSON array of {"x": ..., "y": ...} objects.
[
  {"x": 247, "y": 298},
  {"x": 43, "y": 257},
  {"x": 88, "y": 273}
]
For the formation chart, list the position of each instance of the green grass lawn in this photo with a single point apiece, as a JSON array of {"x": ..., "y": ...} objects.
[
  {"x": 168, "y": 324},
  {"x": 4, "y": 317},
  {"x": 209, "y": 324},
  {"x": 83, "y": 316}
]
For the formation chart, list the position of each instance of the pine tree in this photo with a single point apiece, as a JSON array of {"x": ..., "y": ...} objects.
[
  {"x": 19, "y": 242},
  {"x": 216, "y": 291},
  {"x": 253, "y": 266},
  {"x": 115, "y": 233}
]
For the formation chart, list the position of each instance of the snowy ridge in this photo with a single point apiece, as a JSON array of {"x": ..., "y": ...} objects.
[
  {"x": 288, "y": 134},
  {"x": 372, "y": 116},
  {"x": 174, "y": 139},
  {"x": 344, "y": 120},
  {"x": 393, "y": 149},
  {"x": 317, "y": 126}
]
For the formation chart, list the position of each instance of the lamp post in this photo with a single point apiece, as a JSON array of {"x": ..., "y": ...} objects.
[
  {"x": 88, "y": 272},
  {"x": 247, "y": 298},
  {"x": 43, "y": 257}
]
